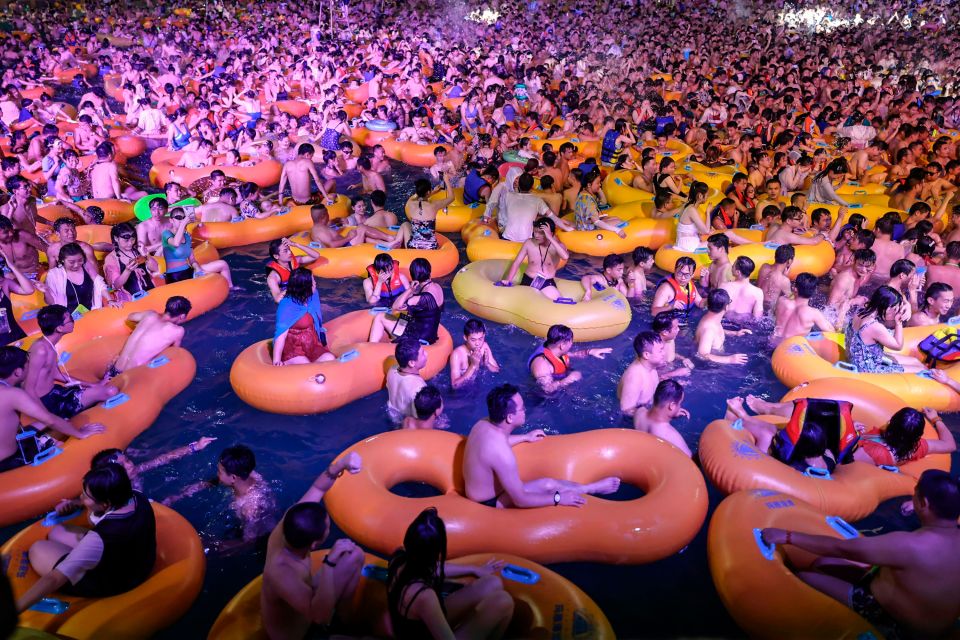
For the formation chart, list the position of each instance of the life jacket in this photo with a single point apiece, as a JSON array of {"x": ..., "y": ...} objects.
[
  {"x": 560, "y": 365},
  {"x": 391, "y": 290},
  {"x": 718, "y": 211},
  {"x": 685, "y": 295},
  {"x": 608, "y": 151},
  {"x": 282, "y": 271},
  {"x": 834, "y": 415},
  {"x": 942, "y": 345}
]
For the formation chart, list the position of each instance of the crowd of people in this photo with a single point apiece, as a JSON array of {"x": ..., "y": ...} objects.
[{"x": 791, "y": 111}]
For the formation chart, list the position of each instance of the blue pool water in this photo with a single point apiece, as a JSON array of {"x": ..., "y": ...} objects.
[{"x": 673, "y": 597}]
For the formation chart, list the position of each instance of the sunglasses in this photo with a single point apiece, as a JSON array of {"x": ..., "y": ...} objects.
[{"x": 125, "y": 236}]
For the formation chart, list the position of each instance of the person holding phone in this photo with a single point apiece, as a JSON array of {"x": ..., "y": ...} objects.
[{"x": 128, "y": 272}]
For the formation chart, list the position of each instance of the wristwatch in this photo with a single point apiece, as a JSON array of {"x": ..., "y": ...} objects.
[
  {"x": 556, "y": 499},
  {"x": 326, "y": 561}
]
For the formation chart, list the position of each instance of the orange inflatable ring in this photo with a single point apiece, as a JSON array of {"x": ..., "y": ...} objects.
[
  {"x": 264, "y": 174},
  {"x": 821, "y": 355},
  {"x": 27, "y": 491},
  {"x": 360, "y": 369},
  {"x": 139, "y": 613},
  {"x": 641, "y": 230},
  {"x": 127, "y": 143},
  {"x": 349, "y": 261},
  {"x": 34, "y": 93},
  {"x": 732, "y": 462},
  {"x": 586, "y": 148},
  {"x": 114, "y": 211},
  {"x": 88, "y": 70},
  {"x": 37, "y": 178},
  {"x": 368, "y": 138},
  {"x": 756, "y": 586},
  {"x": 550, "y": 607},
  {"x": 252, "y": 230},
  {"x": 296, "y": 108},
  {"x": 649, "y": 528},
  {"x": 164, "y": 155}
]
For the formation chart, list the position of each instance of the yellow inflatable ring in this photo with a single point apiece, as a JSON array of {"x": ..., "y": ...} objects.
[
  {"x": 606, "y": 315},
  {"x": 456, "y": 214},
  {"x": 652, "y": 527},
  {"x": 641, "y": 231},
  {"x": 617, "y": 187},
  {"x": 139, "y": 613}
]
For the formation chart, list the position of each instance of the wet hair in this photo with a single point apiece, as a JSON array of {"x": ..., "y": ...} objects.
[
  {"x": 407, "y": 350},
  {"x": 667, "y": 391},
  {"x": 641, "y": 254},
  {"x": 902, "y": 267},
  {"x": 720, "y": 241},
  {"x": 474, "y": 326},
  {"x": 105, "y": 457},
  {"x": 866, "y": 238},
  {"x": 420, "y": 270},
  {"x": 500, "y": 402},
  {"x": 886, "y": 224},
  {"x": 903, "y": 432},
  {"x": 422, "y": 187},
  {"x": 177, "y": 306},
  {"x": 50, "y": 318},
  {"x": 663, "y": 321},
  {"x": 11, "y": 359},
  {"x": 104, "y": 150},
  {"x": 933, "y": 291},
  {"x": 59, "y": 223},
  {"x": 378, "y": 198},
  {"x": 422, "y": 557},
  {"x": 238, "y": 460},
  {"x": 305, "y": 523},
  {"x": 305, "y": 148},
  {"x": 541, "y": 222},
  {"x": 300, "y": 285},
  {"x": 684, "y": 262},
  {"x": 558, "y": 333},
  {"x": 95, "y": 214},
  {"x": 882, "y": 300},
  {"x": 644, "y": 341},
  {"x": 818, "y": 214},
  {"x": 717, "y": 300},
  {"x": 744, "y": 266},
  {"x": 427, "y": 401},
  {"x": 108, "y": 485},
  {"x": 805, "y": 285},
  {"x": 942, "y": 493},
  {"x": 612, "y": 261},
  {"x": 383, "y": 262}
]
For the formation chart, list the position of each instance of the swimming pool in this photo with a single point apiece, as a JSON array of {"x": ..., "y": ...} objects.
[{"x": 673, "y": 597}]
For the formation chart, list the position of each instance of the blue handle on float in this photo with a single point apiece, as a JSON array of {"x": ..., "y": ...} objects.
[
  {"x": 394, "y": 227},
  {"x": 64, "y": 357},
  {"x": 486, "y": 232},
  {"x": 501, "y": 284},
  {"x": 700, "y": 250},
  {"x": 282, "y": 211},
  {"x": 953, "y": 321},
  {"x": 843, "y": 365},
  {"x": 817, "y": 472},
  {"x": 563, "y": 300},
  {"x": 115, "y": 401},
  {"x": 687, "y": 167},
  {"x": 667, "y": 154},
  {"x": 53, "y": 606},
  {"x": 772, "y": 245},
  {"x": 425, "y": 343},
  {"x": 618, "y": 182},
  {"x": 374, "y": 311},
  {"x": 855, "y": 205},
  {"x": 892, "y": 468},
  {"x": 382, "y": 247},
  {"x": 54, "y": 518},
  {"x": 472, "y": 205},
  {"x": 374, "y": 572},
  {"x": 622, "y": 225},
  {"x": 349, "y": 355},
  {"x": 315, "y": 245},
  {"x": 238, "y": 219},
  {"x": 157, "y": 362},
  {"x": 756, "y": 227},
  {"x": 925, "y": 374},
  {"x": 853, "y": 183},
  {"x": 815, "y": 335},
  {"x": 30, "y": 315},
  {"x": 737, "y": 425},
  {"x": 139, "y": 294},
  {"x": 520, "y": 574},
  {"x": 841, "y": 526},
  {"x": 47, "y": 454},
  {"x": 766, "y": 550}
]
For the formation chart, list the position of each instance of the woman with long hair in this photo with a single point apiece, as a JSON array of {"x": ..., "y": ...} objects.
[
  {"x": 124, "y": 268},
  {"x": 299, "y": 337},
  {"x": 415, "y": 585},
  {"x": 867, "y": 335}
]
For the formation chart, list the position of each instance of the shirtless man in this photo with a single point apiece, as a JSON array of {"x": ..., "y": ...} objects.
[
  {"x": 473, "y": 355},
  {"x": 610, "y": 277},
  {"x": 253, "y": 500},
  {"x": 543, "y": 253},
  {"x": 370, "y": 179},
  {"x": 908, "y": 280},
  {"x": 105, "y": 179},
  {"x": 43, "y": 369},
  {"x": 66, "y": 230},
  {"x": 937, "y": 302},
  {"x": 794, "y": 316},
  {"x": 720, "y": 269},
  {"x": 865, "y": 159},
  {"x": 884, "y": 246},
  {"x": 550, "y": 364},
  {"x": 906, "y": 582},
  {"x": 667, "y": 405},
  {"x": 791, "y": 221},
  {"x": 15, "y": 402},
  {"x": 774, "y": 279},
  {"x": 847, "y": 284},
  {"x": 298, "y": 173},
  {"x": 381, "y": 217},
  {"x": 150, "y": 231},
  {"x": 21, "y": 208},
  {"x": 22, "y": 248},
  {"x": 224, "y": 209},
  {"x": 85, "y": 139},
  {"x": 490, "y": 472},
  {"x": 711, "y": 335},
  {"x": 294, "y": 597},
  {"x": 640, "y": 379},
  {"x": 326, "y": 236},
  {"x": 153, "y": 334},
  {"x": 746, "y": 299}
]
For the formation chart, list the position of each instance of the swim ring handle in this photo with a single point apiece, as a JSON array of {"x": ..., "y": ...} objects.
[
  {"x": 737, "y": 425},
  {"x": 815, "y": 335},
  {"x": 159, "y": 361},
  {"x": 843, "y": 365},
  {"x": 374, "y": 572},
  {"x": 53, "y": 517},
  {"x": 841, "y": 526},
  {"x": 817, "y": 472},
  {"x": 520, "y": 574},
  {"x": 53, "y": 606},
  {"x": 892, "y": 468},
  {"x": 115, "y": 401},
  {"x": 766, "y": 550},
  {"x": 953, "y": 321},
  {"x": 860, "y": 192}
]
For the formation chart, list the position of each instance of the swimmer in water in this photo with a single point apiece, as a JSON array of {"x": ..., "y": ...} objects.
[
  {"x": 667, "y": 405},
  {"x": 711, "y": 334},
  {"x": 427, "y": 409},
  {"x": 474, "y": 354},
  {"x": 746, "y": 299},
  {"x": 794, "y": 316},
  {"x": 550, "y": 364},
  {"x": 610, "y": 277},
  {"x": 154, "y": 333},
  {"x": 640, "y": 379}
]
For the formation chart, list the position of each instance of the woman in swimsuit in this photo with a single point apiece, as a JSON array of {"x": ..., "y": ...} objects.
[
  {"x": 418, "y": 309},
  {"x": 128, "y": 272},
  {"x": 690, "y": 223},
  {"x": 178, "y": 135},
  {"x": 415, "y": 585},
  {"x": 866, "y": 335},
  {"x": 333, "y": 127},
  {"x": 178, "y": 252},
  {"x": 419, "y": 232},
  {"x": 664, "y": 181}
]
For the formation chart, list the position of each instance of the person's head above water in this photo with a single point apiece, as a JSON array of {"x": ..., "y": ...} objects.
[
  {"x": 235, "y": 464},
  {"x": 505, "y": 406}
]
